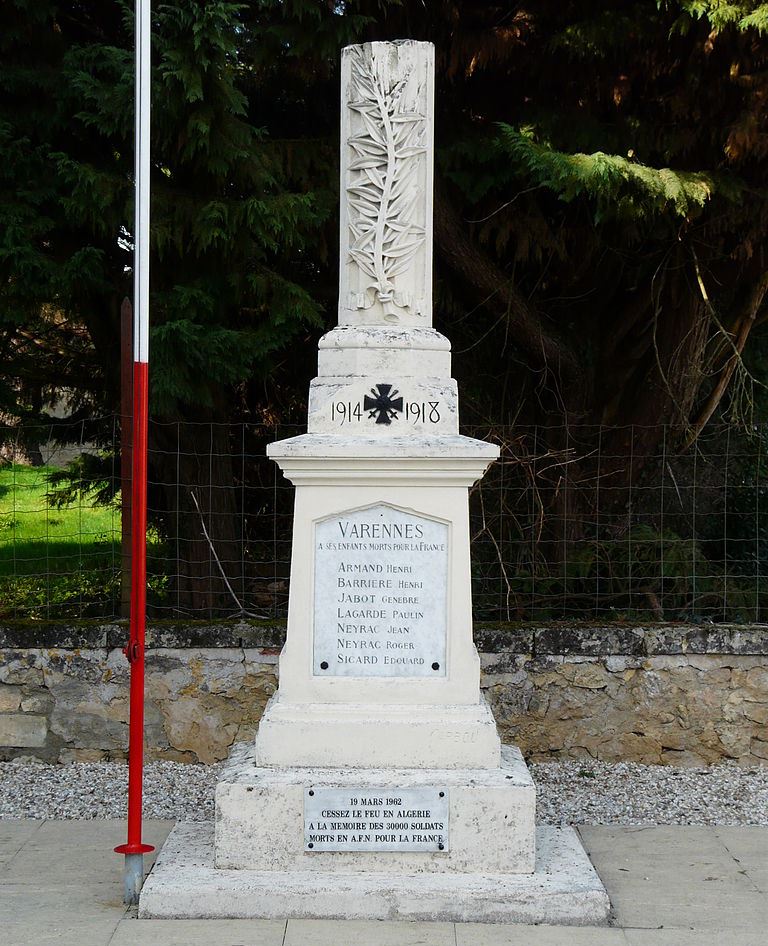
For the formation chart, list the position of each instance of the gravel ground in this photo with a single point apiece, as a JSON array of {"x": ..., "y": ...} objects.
[
  {"x": 568, "y": 792},
  {"x": 629, "y": 793}
]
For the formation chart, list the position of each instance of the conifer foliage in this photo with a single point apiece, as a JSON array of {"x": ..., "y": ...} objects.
[
  {"x": 604, "y": 202},
  {"x": 230, "y": 228},
  {"x": 601, "y": 169},
  {"x": 601, "y": 209},
  {"x": 238, "y": 234}
]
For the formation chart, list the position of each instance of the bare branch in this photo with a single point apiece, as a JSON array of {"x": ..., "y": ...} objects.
[{"x": 237, "y": 601}]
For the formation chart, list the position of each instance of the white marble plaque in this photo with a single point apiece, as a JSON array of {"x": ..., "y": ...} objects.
[
  {"x": 381, "y": 594},
  {"x": 375, "y": 819}
]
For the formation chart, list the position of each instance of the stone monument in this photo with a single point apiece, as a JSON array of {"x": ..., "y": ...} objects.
[{"x": 377, "y": 785}]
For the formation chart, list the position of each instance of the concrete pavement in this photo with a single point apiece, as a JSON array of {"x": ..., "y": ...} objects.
[{"x": 669, "y": 886}]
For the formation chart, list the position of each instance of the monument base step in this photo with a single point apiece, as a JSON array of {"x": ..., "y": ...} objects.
[
  {"x": 490, "y": 827},
  {"x": 564, "y": 890},
  {"x": 377, "y": 735}
]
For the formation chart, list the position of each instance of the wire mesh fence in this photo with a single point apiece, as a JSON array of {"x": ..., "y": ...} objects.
[{"x": 590, "y": 523}]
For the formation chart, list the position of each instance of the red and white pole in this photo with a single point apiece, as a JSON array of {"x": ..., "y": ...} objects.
[{"x": 134, "y": 849}]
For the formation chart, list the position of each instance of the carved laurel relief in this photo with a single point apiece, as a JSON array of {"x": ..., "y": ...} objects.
[{"x": 384, "y": 185}]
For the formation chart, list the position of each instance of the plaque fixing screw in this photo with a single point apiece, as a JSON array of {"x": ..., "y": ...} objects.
[
  {"x": 324, "y": 665},
  {"x": 440, "y": 847},
  {"x": 311, "y": 792},
  {"x": 310, "y": 844},
  {"x": 442, "y": 794},
  {"x": 435, "y": 666}
]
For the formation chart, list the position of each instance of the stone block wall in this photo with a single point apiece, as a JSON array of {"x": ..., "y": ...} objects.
[
  {"x": 663, "y": 694},
  {"x": 65, "y": 705}
]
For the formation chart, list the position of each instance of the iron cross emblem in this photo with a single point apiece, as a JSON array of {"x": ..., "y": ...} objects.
[{"x": 385, "y": 405}]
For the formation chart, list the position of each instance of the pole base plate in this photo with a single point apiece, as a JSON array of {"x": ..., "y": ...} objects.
[{"x": 134, "y": 848}]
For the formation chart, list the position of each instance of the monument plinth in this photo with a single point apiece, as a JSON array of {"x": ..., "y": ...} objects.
[{"x": 377, "y": 785}]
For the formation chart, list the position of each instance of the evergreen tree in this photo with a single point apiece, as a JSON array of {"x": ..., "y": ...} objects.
[
  {"x": 600, "y": 214},
  {"x": 601, "y": 219},
  {"x": 240, "y": 222}
]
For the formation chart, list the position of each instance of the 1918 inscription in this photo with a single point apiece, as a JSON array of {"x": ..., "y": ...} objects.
[
  {"x": 375, "y": 819},
  {"x": 381, "y": 585}
]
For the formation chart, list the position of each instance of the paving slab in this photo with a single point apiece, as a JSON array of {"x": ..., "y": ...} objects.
[
  {"x": 17, "y": 830},
  {"x": 64, "y": 932},
  {"x": 368, "y": 933},
  {"x": 693, "y": 909},
  {"x": 486, "y": 934},
  {"x": 96, "y": 833},
  {"x": 68, "y": 864},
  {"x": 72, "y": 853},
  {"x": 52, "y": 901},
  {"x": 15, "y": 834},
  {"x": 759, "y": 878},
  {"x": 670, "y": 846},
  {"x": 674, "y": 876},
  {"x": 748, "y": 844},
  {"x": 85, "y": 915},
  {"x": 657, "y": 878},
  {"x": 723, "y": 937},
  {"x": 133, "y": 932}
]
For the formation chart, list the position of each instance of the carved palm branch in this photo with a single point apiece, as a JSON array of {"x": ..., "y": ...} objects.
[{"x": 384, "y": 181}]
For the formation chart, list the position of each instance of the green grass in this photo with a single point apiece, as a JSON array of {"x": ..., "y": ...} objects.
[{"x": 54, "y": 562}]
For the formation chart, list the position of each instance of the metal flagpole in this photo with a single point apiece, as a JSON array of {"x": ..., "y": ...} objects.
[{"x": 134, "y": 850}]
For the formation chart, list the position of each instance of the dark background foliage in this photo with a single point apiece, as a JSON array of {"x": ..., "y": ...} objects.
[{"x": 600, "y": 222}]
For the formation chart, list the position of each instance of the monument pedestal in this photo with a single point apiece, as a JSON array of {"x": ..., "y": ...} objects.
[
  {"x": 379, "y": 666},
  {"x": 487, "y": 822},
  {"x": 377, "y": 786},
  {"x": 495, "y": 866},
  {"x": 406, "y": 736},
  {"x": 563, "y": 890}
]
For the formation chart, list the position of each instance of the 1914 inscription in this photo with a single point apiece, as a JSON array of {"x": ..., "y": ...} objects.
[
  {"x": 375, "y": 819},
  {"x": 381, "y": 586}
]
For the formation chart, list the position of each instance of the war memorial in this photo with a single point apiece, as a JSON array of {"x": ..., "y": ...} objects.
[{"x": 377, "y": 786}]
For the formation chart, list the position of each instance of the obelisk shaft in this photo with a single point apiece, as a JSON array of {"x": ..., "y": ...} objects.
[
  {"x": 387, "y": 130},
  {"x": 384, "y": 370}
]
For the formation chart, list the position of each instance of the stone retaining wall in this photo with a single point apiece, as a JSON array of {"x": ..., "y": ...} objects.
[{"x": 683, "y": 695}]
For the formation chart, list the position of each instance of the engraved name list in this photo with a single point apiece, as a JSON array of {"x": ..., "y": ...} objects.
[{"x": 380, "y": 594}]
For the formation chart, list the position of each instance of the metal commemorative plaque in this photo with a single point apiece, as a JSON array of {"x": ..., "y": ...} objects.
[
  {"x": 380, "y": 595},
  {"x": 375, "y": 819}
]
